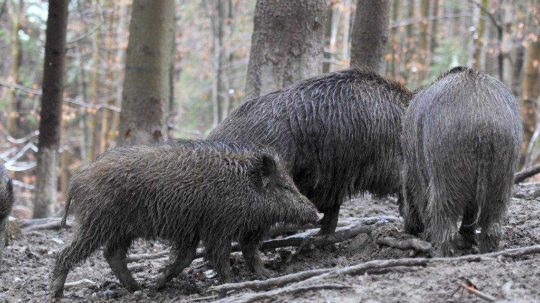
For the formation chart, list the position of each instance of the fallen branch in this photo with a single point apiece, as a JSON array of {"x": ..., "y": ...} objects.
[
  {"x": 83, "y": 283},
  {"x": 478, "y": 293},
  {"x": 411, "y": 243},
  {"x": 256, "y": 297},
  {"x": 317, "y": 274},
  {"x": 526, "y": 173},
  {"x": 29, "y": 222},
  {"x": 53, "y": 225}
]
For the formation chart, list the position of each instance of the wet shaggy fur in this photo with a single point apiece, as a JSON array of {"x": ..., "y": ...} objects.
[
  {"x": 461, "y": 139},
  {"x": 6, "y": 202},
  {"x": 185, "y": 193},
  {"x": 338, "y": 135}
]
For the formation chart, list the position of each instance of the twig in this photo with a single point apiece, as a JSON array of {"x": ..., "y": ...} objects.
[
  {"x": 44, "y": 224},
  {"x": 270, "y": 283},
  {"x": 312, "y": 275},
  {"x": 478, "y": 293},
  {"x": 526, "y": 173},
  {"x": 83, "y": 283},
  {"x": 256, "y": 297},
  {"x": 412, "y": 243}
]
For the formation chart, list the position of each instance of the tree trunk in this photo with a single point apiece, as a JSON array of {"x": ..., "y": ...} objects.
[
  {"x": 434, "y": 26},
  {"x": 394, "y": 45},
  {"x": 51, "y": 108},
  {"x": 531, "y": 90},
  {"x": 14, "y": 122},
  {"x": 146, "y": 86},
  {"x": 120, "y": 55},
  {"x": 424, "y": 51},
  {"x": 345, "y": 54},
  {"x": 370, "y": 34},
  {"x": 286, "y": 45},
  {"x": 480, "y": 38}
]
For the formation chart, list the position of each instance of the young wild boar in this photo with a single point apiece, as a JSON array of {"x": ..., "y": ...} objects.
[
  {"x": 461, "y": 140},
  {"x": 183, "y": 193},
  {"x": 6, "y": 202},
  {"x": 338, "y": 135}
]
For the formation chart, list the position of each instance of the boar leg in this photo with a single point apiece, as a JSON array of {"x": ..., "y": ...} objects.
[
  {"x": 490, "y": 221},
  {"x": 250, "y": 250},
  {"x": 219, "y": 256},
  {"x": 329, "y": 221},
  {"x": 468, "y": 226},
  {"x": 83, "y": 245},
  {"x": 115, "y": 254},
  {"x": 184, "y": 255}
]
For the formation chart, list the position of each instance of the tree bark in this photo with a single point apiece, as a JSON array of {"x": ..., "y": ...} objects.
[
  {"x": 146, "y": 85},
  {"x": 424, "y": 51},
  {"x": 14, "y": 121},
  {"x": 51, "y": 108},
  {"x": 531, "y": 90},
  {"x": 370, "y": 34},
  {"x": 480, "y": 39},
  {"x": 286, "y": 45}
]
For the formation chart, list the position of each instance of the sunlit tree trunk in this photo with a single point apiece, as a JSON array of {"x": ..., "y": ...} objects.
[
  {"x": 146, "y": 85},
  {"x": 51, "y": 108},
  {"x": 14, "y": 122},
  {"x": 286, "y": 45},
  {"x": 370, "y": 34},
  {"x": 530, "y": 93},
  {"x": 480, "y": 38}
]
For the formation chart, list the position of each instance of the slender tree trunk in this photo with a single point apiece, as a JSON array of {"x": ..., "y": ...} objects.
[
  {"x": 424, "y": 50},
  {"x": 94, "y": 92},
  {"x": 480, "y": 38},
  {"x": 410, "y": 50},
  {"x": 51, "y": 108},
  {"x": 370, "y": 34},
  {"x": 345, "y": 54},
  {"x": 13, "y": 103},
  {"x": 146, "y": 86},
  {"x": 517, "y": 70},
  {"x": 286, "y": 45},
  {"x": 531, "y": 91},
  {"x": 120, "y": 55},
  {"x": 434, "y": 26},
  {"x": 394, "y": 46}
]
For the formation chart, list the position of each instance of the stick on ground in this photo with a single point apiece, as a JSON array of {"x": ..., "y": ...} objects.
[
  {"x": 257, "y": 297},
  {"x": 526, "y": 173},
  {"x": 319, "y": 274}
]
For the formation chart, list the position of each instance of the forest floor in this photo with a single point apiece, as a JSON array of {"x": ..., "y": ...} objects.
[{"x": 28, "y": 260}]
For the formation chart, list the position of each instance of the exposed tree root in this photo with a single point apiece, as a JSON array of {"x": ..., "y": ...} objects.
[
  {"x": 305, "y": 239},
  {"x": 319, "y": 274},
  {"x": 526, "y": 173},
  {"x": 293, "y": 289}
]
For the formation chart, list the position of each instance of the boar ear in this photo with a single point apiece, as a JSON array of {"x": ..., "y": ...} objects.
[
  {"x": 268, "y": 165},
  {"x": 267, "y": 168}
]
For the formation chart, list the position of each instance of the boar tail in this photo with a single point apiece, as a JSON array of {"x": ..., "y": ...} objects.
[{"x": 66, "y": 210}]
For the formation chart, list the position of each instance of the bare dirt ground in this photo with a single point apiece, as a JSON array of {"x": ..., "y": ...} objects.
[{"x": 28, "y": 260}]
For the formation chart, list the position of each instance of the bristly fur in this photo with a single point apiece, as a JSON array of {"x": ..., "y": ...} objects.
[
  {"x": 461, "y": 139},
  {"x": 337, "y": 133},
  {"x": 6, "y": 194},
  {"x": 184, "y": 192},
  {"x": 6, "y": 202}
]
